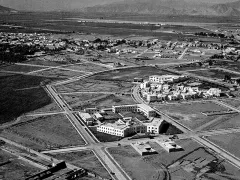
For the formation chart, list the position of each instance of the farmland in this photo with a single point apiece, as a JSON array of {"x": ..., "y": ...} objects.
[
  {"x": 86, "y": 160},
  {"x": 44, "y": 132},
  {"x": 20, "y": 94},
  {"x": 190, "y": 114}
]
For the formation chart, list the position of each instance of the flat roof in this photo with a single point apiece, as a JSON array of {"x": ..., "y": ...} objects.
[
  {"x": 85, "y": 115},
  {"x": 146, "y": 107}
]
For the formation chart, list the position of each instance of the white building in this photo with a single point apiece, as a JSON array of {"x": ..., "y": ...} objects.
[
  {"x": 154, "y": 126},
  {"x": 164, "y": 78},
  {"x": 169, "y": 146},
  {"x": 87, "y": 118}
]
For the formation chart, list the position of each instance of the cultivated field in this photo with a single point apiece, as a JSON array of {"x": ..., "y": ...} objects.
[
  {"x": 229, "y": 142},
  {"x": 86, "y": 160},
  {"x": 129, "y": 74},
  {"x": 190, "y": 114},
  {"x": 59, "y": 73},
  {"x": 89, "y": 85},
  {"x": 82, "y": 101},
  {"x": 21, "y": 94},
  {"x": 13, "y": 168},
  {"x": 20, "y": 68},
  {"x": 44, "y": 132}
]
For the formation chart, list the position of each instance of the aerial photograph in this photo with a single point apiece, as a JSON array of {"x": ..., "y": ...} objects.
[{"x": 119, "y": 89}]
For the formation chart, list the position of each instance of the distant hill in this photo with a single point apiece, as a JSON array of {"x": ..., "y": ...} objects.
[
  {"x": 169, "y": 7},
  {"x": 7, "y": 10}
]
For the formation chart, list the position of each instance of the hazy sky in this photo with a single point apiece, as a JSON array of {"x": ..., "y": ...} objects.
[{"x": 46, "y": 5}]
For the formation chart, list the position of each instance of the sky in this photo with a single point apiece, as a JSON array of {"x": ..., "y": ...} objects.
[{"x": 48, "y": 5}]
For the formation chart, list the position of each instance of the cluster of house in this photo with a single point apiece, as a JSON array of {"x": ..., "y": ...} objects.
[
  {"x": 162, "y": 88},
  {"x": 127, "y": 126}
]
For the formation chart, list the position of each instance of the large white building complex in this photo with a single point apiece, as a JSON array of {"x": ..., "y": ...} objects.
[{"x": 164, "y": 78}]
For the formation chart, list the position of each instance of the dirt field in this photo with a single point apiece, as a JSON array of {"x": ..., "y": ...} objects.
[
  {"x": 87, "y": 67},
  {"x": 20, "y": 68},
  {"x": 129, "y": 74},
  {"x": 86, "y": 160},
  {"x": 89, "y": 85},
  {"x": 44, "y": 132},
  {"x": 82, "y": 101},
  {"x": 229, "y": 142},
  {"x": 233, "y": 102},
  {"x": 189, "y": 114},
  {"x": 59, "y": 73},
  {"x": 15, "y": 169},
  {"x": 38, "y": 61}
]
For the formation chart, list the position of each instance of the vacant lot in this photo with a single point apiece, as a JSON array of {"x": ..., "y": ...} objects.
[
  {"x": 86, "y": 160},
  {"x": 214, "y": 73},
  {"x": 78, "y": 102},
  {"x": 20, "y": 68},
  {"x": 53, "y": 107},
  {"x": 89, "y": 85},
  {"x": 87, "y": 67},
  {"x": 233, "y": 102},
  {"x": 14, "y": 168},
  {"x": 229, "y": 142},
  {"x": 189, "y": 114},
  {"x": 20, "y": 94},
  {"x": 37, "y": 61},
  {"x": 45, "y": 132},
  {"x": 59, "y": 73},
  {"x": 129, "y": 74}
]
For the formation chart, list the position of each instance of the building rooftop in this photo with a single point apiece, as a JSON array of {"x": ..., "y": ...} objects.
[{"x": 146, "y": 107}]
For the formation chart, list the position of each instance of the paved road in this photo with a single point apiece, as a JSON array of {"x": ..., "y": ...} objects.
[{"x": 183, "y": 54}]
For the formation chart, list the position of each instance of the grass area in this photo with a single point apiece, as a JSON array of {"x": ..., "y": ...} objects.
[
  {"x": 45, "y": 132},
  {"x": 16, "y": 100},
  {"x": 88, "y": 67},
  {"x": 103, "y": 137},
  {"x": 15, "y": 169},
  {"x": 214, "y": 73},
  {"x": 129, "y": 74},
  {"x": 20, "y": 68},
  {"x": 233, "y": 102},
  {"x": 189, "y": 114},
  {"x": 37, "y": 61},
  {"x": 59, "y": 73},
  {"x": 89, "y": 85},
  {"x": 97, "y": 100},
  {"x": 229, "y": 142},
  {"x": 86, "y": 160},
  {"x": 53, "y": 107}
]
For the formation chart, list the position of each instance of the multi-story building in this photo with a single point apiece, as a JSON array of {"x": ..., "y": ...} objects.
[
  {"x": 164, "y": 78},
  {"x": 87, "y": 118}
]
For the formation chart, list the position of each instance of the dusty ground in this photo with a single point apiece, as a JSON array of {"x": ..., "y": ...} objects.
[
  {"x": 44, "y": 132},
  {"x": 20, "y": 68},
  {"x": 59, "y": 73}
]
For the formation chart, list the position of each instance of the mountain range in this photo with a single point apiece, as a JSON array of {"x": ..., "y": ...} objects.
[
  {"x": 6, "y": 10},
  {"x": 169, "y": 7}
]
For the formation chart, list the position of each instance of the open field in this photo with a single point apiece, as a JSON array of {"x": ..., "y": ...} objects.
[
  {"x": 44, "y": 132},
  {"x": 20, "y": 68},
  {"x": 215, "y": 73},
  {"x": 165, "y": 61},
  {"x": 59, "y": 73},
  {"x": 14, "y": 168},
  {"x": 86, "y": 67},
  {"x": 189, "y": 114},
  {"x": 232, "y": 102},
  {"x": 82, "y": 101},
  {"x": 231, "y": 65},
  {"x": 180, "y": 165},
  {"x": 86, "y": 160},
  {"x": 36, "y": 61},
  {"x": 129, "y": 74},
  {"x": 52, "y": 107},
  {"x": 90, "y": 85},
  {"x": 229, "y": 142},
  {"x": 21, "y": 94}
]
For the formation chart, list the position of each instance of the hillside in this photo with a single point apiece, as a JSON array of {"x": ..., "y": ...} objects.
[
  {"x": 169, "y": 7},
  {"x": 6, "y": 10}
]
